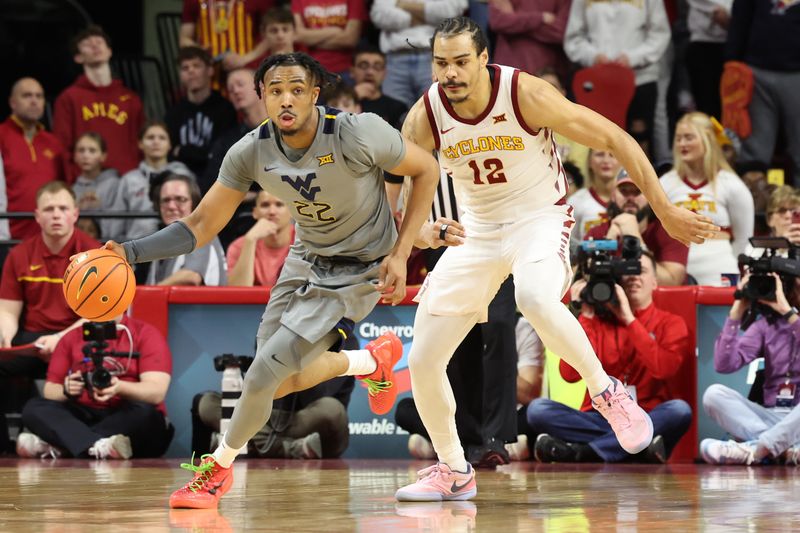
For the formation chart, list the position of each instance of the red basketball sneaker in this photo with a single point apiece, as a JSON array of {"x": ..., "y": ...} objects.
[
  {"x": 387, "y": 351},
  {"x": 210, "y": 483}
]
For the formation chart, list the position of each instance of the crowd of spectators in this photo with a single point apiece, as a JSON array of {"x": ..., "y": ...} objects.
[{"x": 104, "y": 156}]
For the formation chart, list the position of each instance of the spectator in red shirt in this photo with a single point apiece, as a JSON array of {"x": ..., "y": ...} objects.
[
  {"x": 630, "y": 214},
  {"x": 643, "y": 345},
  {"x": 123, "y": 420},
  {"x": 530, "y": 33},
  {"x": 33, "y": 273},
  {"x": 30, "y": 156},
  {"x": 96, "y": 102},
  {"x": 330, "y": 29},
  {"x": 32, "y": 306},
  {"x": 227, "y": 29},
  {"x": 257, "y": 257}
]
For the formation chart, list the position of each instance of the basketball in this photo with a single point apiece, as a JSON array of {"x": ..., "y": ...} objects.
[{"x": 99, "y": 285}]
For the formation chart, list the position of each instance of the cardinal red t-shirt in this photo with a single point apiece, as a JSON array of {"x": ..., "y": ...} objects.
[
  {"x": 148, "y": 342},
  {"x": 324, "y": 14},
  {"x": 32, "y": 274}
]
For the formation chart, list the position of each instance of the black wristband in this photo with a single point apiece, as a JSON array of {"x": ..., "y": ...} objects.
[{"x": 788, "y": 314}]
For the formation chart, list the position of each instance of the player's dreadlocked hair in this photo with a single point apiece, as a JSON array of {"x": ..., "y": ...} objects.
[
  {"x": 458, "y": 25},
  {"x": 320, "y": 77}
]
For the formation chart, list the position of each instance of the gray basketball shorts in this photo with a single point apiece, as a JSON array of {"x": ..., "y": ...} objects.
[{"x": 313, "y": 293}]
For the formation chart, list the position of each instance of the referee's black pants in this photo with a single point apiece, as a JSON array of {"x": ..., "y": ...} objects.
[{"x": 75, "y": 428}]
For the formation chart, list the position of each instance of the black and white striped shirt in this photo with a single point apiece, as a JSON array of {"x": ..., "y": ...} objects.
[{"x": 444, "y": 201}]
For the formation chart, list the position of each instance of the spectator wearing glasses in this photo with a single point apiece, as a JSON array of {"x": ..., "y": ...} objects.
[
  {"x": 368, "y": 72},
  {"x": 176, "y": 197},
  {"x": 783, "y": 213}
]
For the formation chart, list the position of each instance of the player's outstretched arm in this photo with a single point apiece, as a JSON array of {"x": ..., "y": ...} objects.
[
  {"x": 544, "y": 107},
  {"x": 420, "y": 166},
  {"x": 187, "y": 234}
]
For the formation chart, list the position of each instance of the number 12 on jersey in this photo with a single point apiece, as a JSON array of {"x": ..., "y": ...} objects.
[{"x": 495, "y": 174}]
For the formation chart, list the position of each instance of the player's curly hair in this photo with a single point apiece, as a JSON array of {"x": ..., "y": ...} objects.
[
  {"x": 320, "y": 77},
  {"x": 458, "y": 25}
]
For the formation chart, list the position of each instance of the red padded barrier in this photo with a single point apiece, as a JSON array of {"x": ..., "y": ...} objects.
[
  {"x": 151, "y": 304},
  {"x": 681, "y": 301}
]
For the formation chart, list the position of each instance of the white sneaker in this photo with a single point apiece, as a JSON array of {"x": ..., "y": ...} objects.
[
  {"x": 30, "y": 445},
  {"x": 519, "y": 451},
  {"x": 114, "y": 447},
  {"x": 420, "y": 448},
  {"x": 730, "y": 452}
]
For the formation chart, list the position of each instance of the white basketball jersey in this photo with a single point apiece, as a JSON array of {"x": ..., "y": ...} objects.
[
  {"x": 502, "y": 170},
  {"x": 590, "y": 211}
]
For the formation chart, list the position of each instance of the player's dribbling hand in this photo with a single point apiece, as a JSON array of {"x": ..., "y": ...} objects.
[
  {"x": 116, "y": 248},
  {"x": 688, "y": 227},
  {"x": 392, "y": 284}
]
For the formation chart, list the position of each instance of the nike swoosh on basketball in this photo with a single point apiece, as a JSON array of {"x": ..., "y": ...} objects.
[
  {"x": 92, "y": 270},
  {"x": 275, "y": 358},
  {"x": 445, "y": 131},
  {"x": 456, "y": 487},
  {"x": 36, "y": 267}
]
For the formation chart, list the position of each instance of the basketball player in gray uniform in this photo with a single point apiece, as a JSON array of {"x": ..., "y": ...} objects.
[{"x": 328, "y": 168}]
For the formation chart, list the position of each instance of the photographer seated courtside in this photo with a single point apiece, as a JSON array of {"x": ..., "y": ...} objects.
[
  {"x": 104, "y": 395},
  {"x": 643, "y": 345},
  {"x": 766, "y": 308}
]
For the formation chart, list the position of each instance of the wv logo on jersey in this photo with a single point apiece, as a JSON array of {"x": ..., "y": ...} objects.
[{"x": 303, "y": 185}]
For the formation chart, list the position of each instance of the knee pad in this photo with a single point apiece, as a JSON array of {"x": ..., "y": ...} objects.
[{"x": 270, "y": 367}]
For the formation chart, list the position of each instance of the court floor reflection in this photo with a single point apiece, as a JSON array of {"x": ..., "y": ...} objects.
[{"x": 333, "y": 496}]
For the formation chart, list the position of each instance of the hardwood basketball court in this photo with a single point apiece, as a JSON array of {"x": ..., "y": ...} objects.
[{"x": 348, "y": 495}]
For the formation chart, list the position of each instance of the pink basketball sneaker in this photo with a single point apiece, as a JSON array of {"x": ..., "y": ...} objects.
[
  {"x": 630, "y": 423},
  {"x": 439, "y": 483}
]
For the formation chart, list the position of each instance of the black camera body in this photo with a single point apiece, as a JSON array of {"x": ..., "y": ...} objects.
[
  {"x": 603, "y": 269},
  {"x": 226, "y": 360},
  {"x": 762, "y": 283},
  {"x": 96, "y": 336}
]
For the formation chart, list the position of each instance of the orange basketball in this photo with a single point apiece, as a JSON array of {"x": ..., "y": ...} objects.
[{"x": 99, "y": 285}]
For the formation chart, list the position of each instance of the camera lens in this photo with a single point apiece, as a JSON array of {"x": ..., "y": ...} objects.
[
  {"x": 601, "y": 292},
  {"x": 101, "y": 378}
]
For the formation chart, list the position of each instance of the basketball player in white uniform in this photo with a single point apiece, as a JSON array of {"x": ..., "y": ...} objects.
[{"x": 493, "y": 129}]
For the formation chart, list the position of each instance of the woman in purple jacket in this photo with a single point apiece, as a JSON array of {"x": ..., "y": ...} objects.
[{"x": 771, "y": 430}]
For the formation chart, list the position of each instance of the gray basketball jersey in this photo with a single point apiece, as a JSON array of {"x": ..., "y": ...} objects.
[{"x": 335, "y": 190}]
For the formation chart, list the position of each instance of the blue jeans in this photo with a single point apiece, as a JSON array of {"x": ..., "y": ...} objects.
[
  {"x": 408, "y": 75},
  {"x": 671, "y": 419}
]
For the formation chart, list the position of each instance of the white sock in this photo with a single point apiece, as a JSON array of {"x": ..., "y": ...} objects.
[
  {"x": 457, "y": 464},
  {"x": 597, "y": 382},
  {"x": 360, "y": 363},
  {"x": 224, "y": 454}
]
